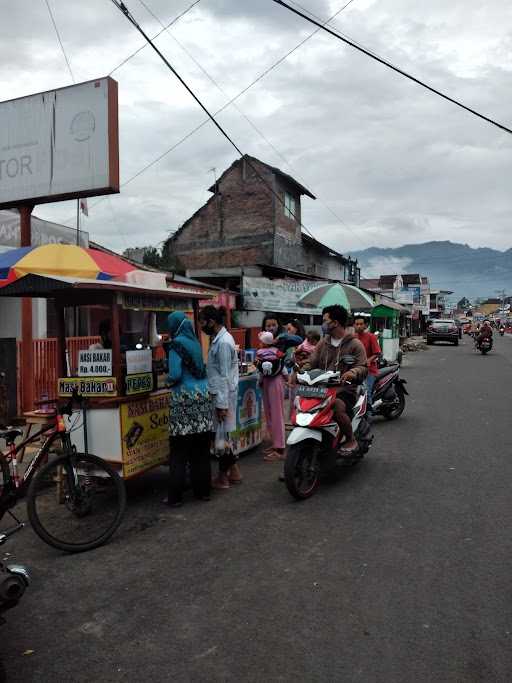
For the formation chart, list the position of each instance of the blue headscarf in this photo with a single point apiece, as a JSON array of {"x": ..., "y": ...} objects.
[{"x": 186, "y": 344}]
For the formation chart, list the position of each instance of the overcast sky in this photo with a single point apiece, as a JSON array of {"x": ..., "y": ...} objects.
[{"x": 394, "y": 162}]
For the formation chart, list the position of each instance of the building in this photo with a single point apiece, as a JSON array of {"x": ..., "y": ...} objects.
[{"x": 243, "y": 227}]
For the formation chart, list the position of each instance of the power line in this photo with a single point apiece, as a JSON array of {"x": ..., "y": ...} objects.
[
  {"x": 249, "y": 121},
  {"x": 394, "y": 68},
  {"x": 171, "y": 23},
  {"x": 221, "y": 109},
  {"x": 122, "y": 7},
  {"x": 59, "y": 39}
]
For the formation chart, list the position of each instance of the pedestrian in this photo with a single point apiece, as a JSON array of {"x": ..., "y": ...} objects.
[
  {"x": 269, "y": 360},
  {"x": 190, "y": 414},
  {"x": 223, "y": 377},
  {"x": 372, "y": 348}
]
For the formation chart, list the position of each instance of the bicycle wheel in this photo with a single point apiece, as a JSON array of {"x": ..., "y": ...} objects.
[{"x": 76, "y": 502}]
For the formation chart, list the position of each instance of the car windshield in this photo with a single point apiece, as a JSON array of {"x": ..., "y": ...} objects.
[{"x": 443, "y": 323}]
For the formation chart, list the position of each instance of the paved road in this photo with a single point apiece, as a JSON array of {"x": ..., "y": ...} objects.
[{"x": 398, "y": 572}]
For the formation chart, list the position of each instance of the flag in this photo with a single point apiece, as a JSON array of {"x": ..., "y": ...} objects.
[{"x": 83, "y": 206}]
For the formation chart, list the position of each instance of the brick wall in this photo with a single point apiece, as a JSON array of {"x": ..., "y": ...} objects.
[{"x": 235, "y": 226}]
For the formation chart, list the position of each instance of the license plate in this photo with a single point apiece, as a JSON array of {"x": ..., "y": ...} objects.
[{"x": 311, "y": 392}]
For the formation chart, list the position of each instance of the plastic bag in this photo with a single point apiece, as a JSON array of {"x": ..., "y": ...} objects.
[{"x": 222, "y": 441}]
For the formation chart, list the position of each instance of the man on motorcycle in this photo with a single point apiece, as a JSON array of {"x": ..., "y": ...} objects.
[
  {"x": 485, "y": 332},
  {"x": 372, "y": 348},
  {"x": 329, "y": 354}
]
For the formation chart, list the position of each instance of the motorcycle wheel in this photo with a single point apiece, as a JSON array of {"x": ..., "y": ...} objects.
[
  {"x": 395, "y": 412},
  {"x": 302, "y": 469}
]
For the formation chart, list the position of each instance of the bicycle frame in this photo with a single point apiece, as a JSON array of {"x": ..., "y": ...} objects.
[{"x": 15, "y": 486}]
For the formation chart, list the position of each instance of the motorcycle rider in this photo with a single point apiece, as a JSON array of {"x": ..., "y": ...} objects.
[
  {"x": 485, "y": 332},
  {"x": 372, "y": 348},
  {"x": 328, "y": 355}
]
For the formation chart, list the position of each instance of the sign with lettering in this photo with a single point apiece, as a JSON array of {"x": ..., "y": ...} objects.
[
  {"x": 60, "y": 144},
  {"x": 139, "y": 384},
  {"x": 95, "y": 363},
  {"x": 90, "y": 386},
  {"x": 43, "y": 232},
  {"x": 145, "y": 433},
  {"x": 148, "y": 302},
  {"x": 279, "y": 296},
  {"x": 139, "y": 361}
]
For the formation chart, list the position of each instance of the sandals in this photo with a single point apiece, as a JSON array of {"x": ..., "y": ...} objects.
[{"x": 274, "y": 456}]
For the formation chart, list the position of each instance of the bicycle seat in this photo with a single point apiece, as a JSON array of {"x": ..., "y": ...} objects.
[{"x": 10, "y": 434}]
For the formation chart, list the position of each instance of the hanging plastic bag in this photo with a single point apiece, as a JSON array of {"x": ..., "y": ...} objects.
[{"x": 222, "y": 443}]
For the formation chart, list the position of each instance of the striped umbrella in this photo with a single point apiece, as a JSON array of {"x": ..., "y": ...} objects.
[
  {"x": 64, "y": 260},
  {"x": 352, "y": 298}
]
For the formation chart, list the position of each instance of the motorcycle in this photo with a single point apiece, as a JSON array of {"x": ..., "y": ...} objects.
[
  {"x": 389, "y": 392},
  {"x": 502, "y": 331},
  {"x": 14, "y": 578},
  {"x": 484, "y": 346},
  {"x": 315, "y": 439}
]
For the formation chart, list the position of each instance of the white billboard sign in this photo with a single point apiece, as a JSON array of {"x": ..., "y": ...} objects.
[{"x": 59, "y": 144}]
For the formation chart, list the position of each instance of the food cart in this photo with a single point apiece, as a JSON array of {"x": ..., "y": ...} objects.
[{"x": 127, "y": 403}]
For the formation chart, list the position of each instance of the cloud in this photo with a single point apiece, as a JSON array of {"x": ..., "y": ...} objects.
[{"x": 393, "y": 161}]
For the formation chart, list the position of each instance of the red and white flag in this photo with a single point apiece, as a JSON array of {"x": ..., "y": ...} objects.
[{"x": 83, "y": 206}]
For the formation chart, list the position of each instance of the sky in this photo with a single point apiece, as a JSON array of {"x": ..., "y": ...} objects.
[{"x": 389, "y": 162}]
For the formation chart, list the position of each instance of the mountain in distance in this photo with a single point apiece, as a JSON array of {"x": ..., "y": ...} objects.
[{"x": 466, "y": 271}]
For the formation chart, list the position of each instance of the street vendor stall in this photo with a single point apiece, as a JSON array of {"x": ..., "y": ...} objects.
[
  {"x": 122, "y": 378},
  {"x": 386, "y": 320}
]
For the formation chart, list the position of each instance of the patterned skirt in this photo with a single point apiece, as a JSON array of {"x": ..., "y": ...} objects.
[{"x": 190, "y": 412}]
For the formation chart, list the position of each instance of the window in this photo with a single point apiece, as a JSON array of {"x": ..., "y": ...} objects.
[{"x": 290, "y": 210}]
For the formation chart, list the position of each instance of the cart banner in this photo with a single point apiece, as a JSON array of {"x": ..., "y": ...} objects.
[
  {"x": 148, "y": 302},
  {"x": 249, "y": 422},
  {"x": 139, "y": 384},
  {"x": 281, "y": 296},
  {"x": 139, "y": 361},
  {"x": 96, "y": 363},
  {"x": 145, "y": 433},
  {"x": 90, "y": 386}
]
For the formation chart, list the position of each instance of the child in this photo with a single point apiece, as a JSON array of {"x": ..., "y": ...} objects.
[
  {"x": 269, "y": 361},
  {"x": 304, "y": 351}
]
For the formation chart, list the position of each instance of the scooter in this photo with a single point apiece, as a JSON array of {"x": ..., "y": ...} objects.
[
  {"x": 14, "y": 578},
  {"x": 315, "y": 439},
  {"x": 389, "y": 392}
]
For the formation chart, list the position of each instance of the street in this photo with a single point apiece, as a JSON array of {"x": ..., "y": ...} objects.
[{"x": 397, "y": 572}]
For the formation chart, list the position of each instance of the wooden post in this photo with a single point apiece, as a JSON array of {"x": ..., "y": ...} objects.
[
  {"x": 117, "y": 370},
  {"x": 61, "y": 340},
  {"x": 27, "y": 368}
]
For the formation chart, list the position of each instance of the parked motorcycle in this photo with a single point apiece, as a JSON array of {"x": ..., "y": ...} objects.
[
  {"x": 14, "y": 578},
  {"x": 315, "y": 439},
  {"x": 389, "y": 392}
]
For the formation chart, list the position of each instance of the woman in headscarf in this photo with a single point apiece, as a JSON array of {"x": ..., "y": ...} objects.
[{"x": 190, "y": 414}]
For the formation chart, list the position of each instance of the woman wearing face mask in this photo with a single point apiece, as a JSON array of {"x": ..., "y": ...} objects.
[
  {"x": 273, "y": 397},
  {"x": 190, "y": 415}
]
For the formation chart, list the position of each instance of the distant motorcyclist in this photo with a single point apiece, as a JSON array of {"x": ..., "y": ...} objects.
[{"x": 485, "y": 332}]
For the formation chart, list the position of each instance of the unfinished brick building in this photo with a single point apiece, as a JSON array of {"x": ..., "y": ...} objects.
[{"x": 244, "y": 229}]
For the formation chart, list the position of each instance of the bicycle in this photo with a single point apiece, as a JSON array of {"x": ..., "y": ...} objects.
[{"x": 75, "y": 501}]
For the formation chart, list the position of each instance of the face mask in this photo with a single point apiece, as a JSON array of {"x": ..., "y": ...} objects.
[
  {"x": 209, "y": 330},
  {"x": 326, "y": 328}
]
